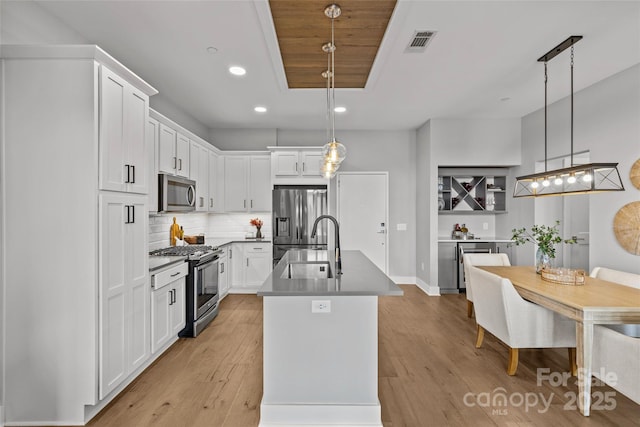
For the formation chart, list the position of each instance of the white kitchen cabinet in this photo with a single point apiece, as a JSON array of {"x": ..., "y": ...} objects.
[
  {"x": 199, "y": 172},
  {"x": 124, "y": 111},
  {"x": 124, "y": 294},
  {"x": 88, "y": 301},
  {"x": 223, "y": 273},
  {"x": 173, "y": 155},
  {"x": 257, "y": 263},
  {"x": 296, "y": 163},
  {"x": 153, "y": 135},
  {"x": 216, "y": 182},
  {"x": 168, "y": 307},
  {"x": 250, "y": 265},
  {"x": 247, "y": 184}
]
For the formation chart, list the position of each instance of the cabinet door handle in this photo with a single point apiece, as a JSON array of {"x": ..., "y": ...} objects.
[
  {"x": 128, "y": 221},
  {"x": 296, "y": 166},
  {"x": 230, "y": 253},
  {"x": 171, "y": 297},
  {"x": 222, "y": 267},
  {"x": 210, "y": 203},
  {"x": 257, "y": 249},
  {"x": 175, "y": 274},
  {"x": 302, "y": 166},
  {"x": 180, "y": 162},
  {"x": 201, "y": 202},
  {"x": 133, "y": 214},
  {"x": 244, "y": 203},
  {"x": 128, "y": 174},
  {"x": 247, "y": 262},
  {"x": 175, "y": 163},
  {"x": 133, "y": 174},
  {"x": 251, "y": 203}
]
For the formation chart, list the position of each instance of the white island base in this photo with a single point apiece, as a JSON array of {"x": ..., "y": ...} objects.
[{"x": 320, "y": 369}]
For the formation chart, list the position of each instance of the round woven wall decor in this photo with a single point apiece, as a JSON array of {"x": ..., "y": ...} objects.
[
  {"x": 634, "y": 174},
  {"x": 626, "y": 226}
]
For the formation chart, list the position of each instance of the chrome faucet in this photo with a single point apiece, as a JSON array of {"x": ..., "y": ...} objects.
[{"x": 337, "y": 238}]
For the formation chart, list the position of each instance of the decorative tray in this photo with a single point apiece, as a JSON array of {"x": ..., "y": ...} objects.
[{"x": 563, "y": 276}]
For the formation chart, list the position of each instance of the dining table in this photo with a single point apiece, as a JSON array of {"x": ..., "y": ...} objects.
[{"x": 595, "y": 302}]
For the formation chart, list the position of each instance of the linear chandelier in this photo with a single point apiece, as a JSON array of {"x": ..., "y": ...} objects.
[
  {"x": 576, "y": 179},
  {"x": 333, "y": 151}
]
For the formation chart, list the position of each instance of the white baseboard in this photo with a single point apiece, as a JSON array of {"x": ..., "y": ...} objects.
[
  {"x": 320, "y": 415},
  {"x": 403, "y": 280},
  {"x": 244, "y": 290},
  {"x": 433, "y": 291}
]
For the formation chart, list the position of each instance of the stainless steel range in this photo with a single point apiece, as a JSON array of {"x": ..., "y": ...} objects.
[{"x": 202, "y": 284}]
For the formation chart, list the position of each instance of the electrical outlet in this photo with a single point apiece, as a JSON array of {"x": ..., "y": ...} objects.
[
  {"x": 401, "y": 227},
  {"x": 485, "y": 225},
  {"x": 321, "y": 306}
]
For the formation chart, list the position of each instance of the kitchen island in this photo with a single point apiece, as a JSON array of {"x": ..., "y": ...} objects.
[{"x": 321, "y": 340}]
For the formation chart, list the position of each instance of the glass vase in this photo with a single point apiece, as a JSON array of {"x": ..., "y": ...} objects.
[
  {"x": 258, "y": 233},
  {"x": 543, "y": 260}
]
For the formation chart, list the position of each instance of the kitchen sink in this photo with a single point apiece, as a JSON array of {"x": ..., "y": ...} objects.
[{"x": 307, "y": 270}]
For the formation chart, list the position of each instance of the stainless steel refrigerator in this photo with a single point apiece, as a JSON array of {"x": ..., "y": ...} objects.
[{"x": 295, "y": 208}]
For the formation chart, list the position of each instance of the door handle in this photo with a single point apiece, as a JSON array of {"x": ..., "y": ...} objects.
[
  {"x": 133, "y": 174},
  {"x": 180, "y": 162},
  {"x": 247, "y": 262},
  {"x": 175, "y": 162},
  {"x": 222, "y": 267},
  {"x": 128, "y": 180},
  {"x": 210, "y": 202}
]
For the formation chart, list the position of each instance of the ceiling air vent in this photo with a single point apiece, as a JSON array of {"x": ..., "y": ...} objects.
[{"x": 420, "y": 40}]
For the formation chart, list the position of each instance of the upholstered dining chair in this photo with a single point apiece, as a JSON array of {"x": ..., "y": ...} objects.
[
  {"x": 622, "y": 278},
  {"x": 516, "y": 322},
  {"x": 479, "y": 259},
  {"x": 616, "y": 348}
]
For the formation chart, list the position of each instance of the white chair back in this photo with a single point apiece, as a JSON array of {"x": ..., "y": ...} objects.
[
  {"x": 480, "y": 259},
  {"x": 518, "y": 323},
  {"x": 622, "y": 278}
]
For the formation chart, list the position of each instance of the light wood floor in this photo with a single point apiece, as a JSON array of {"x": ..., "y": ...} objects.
[{"x": 427, "y": 364}]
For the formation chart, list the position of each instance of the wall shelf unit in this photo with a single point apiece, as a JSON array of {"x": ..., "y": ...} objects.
[{"x": 461, "y": 192}]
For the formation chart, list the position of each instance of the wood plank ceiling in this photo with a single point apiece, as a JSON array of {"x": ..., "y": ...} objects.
[{"x": 302, "y": 28}]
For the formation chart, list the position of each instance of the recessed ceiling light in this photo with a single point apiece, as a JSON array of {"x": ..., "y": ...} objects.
[
  {"x": 212, "y": 50},
  {"x": 340, "y": 109},
  {"x": 237, "y": 71},
  {"x": 260, "y": 109}
]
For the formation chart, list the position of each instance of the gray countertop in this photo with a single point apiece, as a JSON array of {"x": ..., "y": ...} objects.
[
  {"x": 360, "y": 277},
  {"x": 475, "y": 240}
]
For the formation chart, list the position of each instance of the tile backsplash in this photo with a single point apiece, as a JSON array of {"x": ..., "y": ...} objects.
[{"x": 222, "y": 226}]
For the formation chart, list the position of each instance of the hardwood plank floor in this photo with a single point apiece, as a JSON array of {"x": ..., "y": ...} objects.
[{"x": 427, "y": 365}]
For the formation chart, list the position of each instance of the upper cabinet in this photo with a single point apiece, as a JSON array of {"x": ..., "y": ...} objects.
[
  {"x": 173, "y": 152},
  {"x": 247, "y": 184},
  {"x": 296, "y": 166},
  {"x": 216, "y": 182},
  {"x": 471, "y": 193},
  {"x": 153, "y": 134},
  {"x": 199, "y": 172},
  {"x": 124, "y": 111}
]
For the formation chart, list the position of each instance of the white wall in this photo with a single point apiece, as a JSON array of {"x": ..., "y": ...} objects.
[
  {"x": 606, "y": 124},
  {"x": 391, "y": 151},
  {"x": 24, "y": 22},
  {"x": 476, "y": 142}
]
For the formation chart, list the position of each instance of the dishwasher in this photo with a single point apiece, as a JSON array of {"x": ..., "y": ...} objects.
[{"x": 470, "y": 248}]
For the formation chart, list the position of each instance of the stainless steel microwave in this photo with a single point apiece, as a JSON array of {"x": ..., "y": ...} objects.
[{"x": 176, "y": 194}]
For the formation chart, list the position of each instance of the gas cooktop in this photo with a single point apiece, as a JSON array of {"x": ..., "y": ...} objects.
[{"x": 193, "y": 252}]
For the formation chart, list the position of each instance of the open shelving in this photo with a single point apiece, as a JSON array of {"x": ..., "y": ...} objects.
[{"x": 473, "y": 193}]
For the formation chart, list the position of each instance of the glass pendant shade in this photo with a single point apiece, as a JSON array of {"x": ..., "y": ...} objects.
[
  {"x": 582, "y": 179},
  {"x": 334, "y": 152},
  {"x": 328, "y": 169}
]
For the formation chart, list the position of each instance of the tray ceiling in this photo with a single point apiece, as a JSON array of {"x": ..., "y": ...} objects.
[{"x": 302, "y": 28}]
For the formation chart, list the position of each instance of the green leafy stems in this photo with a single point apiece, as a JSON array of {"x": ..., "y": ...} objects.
[{"x": 543, "y": 236}]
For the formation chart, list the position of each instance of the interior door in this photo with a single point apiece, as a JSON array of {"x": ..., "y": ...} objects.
[{"x": 363, "y": 214}]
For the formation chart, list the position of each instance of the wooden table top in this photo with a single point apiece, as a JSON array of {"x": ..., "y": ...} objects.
[{"x": 594, "y": 294}]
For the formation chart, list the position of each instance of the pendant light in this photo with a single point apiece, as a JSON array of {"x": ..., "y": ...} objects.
[
  {"x": 333, "y": 151},
  {"x": 576, "y": 179}
]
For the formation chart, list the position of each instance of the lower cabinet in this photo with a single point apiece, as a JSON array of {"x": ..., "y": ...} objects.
[
  {"x": 223, "y": 274},
  {"x": 124, "y": 291},
  {"x": 251, "y": 263},
  {"x": 168, "y": 305},
  {"x": 506, "y": 248},
  {"x": 447, "y": 267}
]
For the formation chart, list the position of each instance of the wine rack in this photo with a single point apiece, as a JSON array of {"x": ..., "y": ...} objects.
[{"x": 471, "y": 194}]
